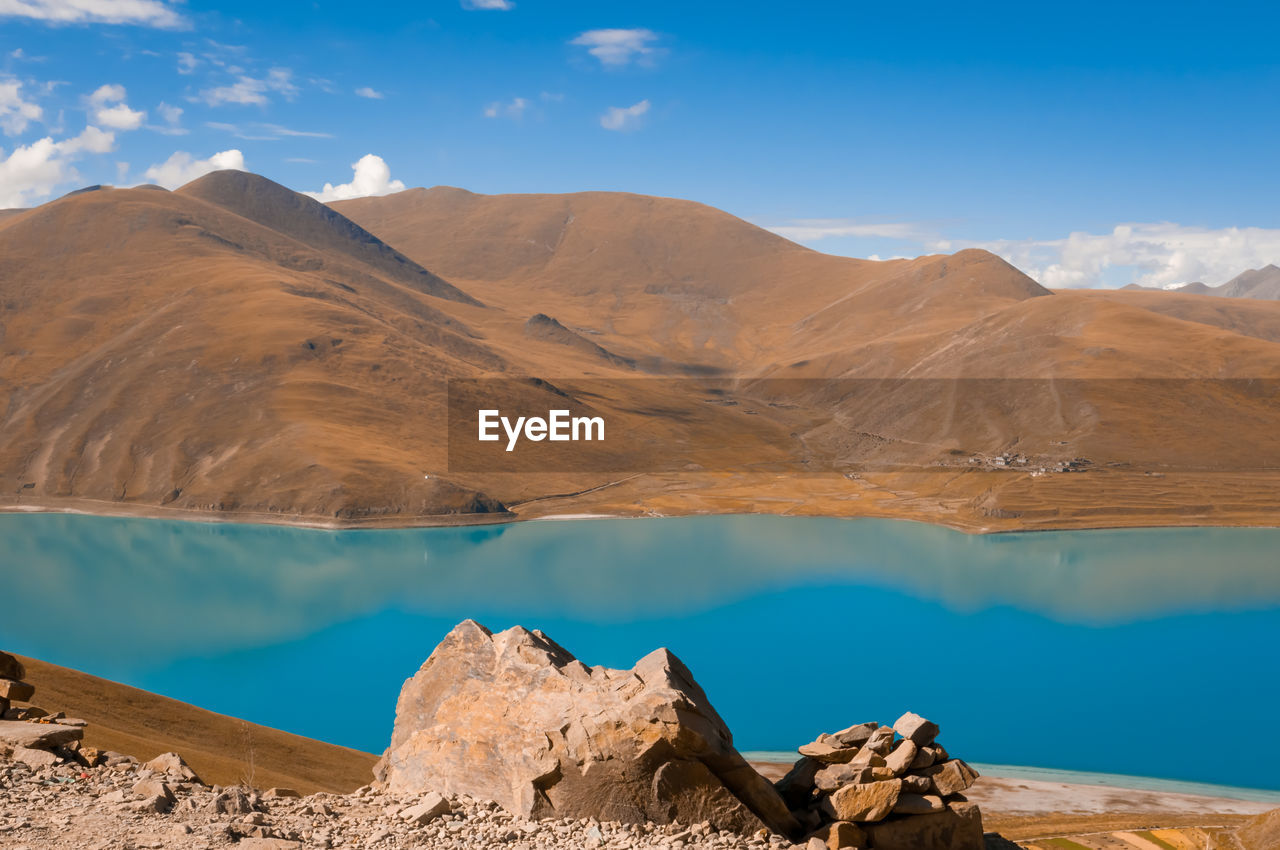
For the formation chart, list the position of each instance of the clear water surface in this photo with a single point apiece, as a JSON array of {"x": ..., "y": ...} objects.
[{"x": 1140, "y": 652}]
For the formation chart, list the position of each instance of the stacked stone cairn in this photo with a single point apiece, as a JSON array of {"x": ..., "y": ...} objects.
[
  {"x": 873, "y": 787},
  {"x": 12, "y": 688}
]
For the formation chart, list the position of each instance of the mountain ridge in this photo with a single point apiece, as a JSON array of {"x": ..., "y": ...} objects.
[{"x": 234, "y": 349}]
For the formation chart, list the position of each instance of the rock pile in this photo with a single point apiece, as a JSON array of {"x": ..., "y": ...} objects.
[
  {"x": 873, "y": 787},
  {"x": 12, "y": 688},
  {"x": 29, "y": 734}
]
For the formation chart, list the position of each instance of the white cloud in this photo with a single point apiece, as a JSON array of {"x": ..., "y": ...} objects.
[
  {"x": 252, "y": 90},
  {"x": 501, "y": 5},
  {"x": 624, "y": 117},
  {"x": 814, "y": 229},
  {"x": 111, "y": 93},
  {"x": 260, "y": 132},
  {"x": 15, "y": 112},
  {"x": 372, "y": 94},
  {"x": 182, "y": 167},
  {"x": 119, "y": 117},
  {"x": 244, "y": 90},
  {"x": 513, "y": 109},
  {"x": 172, "y": 116},
  {"x": 187, "y": 63},
  {"x": 31, "y": 172},
  {"x": 372, "y": 177},
  {"x": 1159, "y": 254},
  {"x": 90, "y": 140},
  {"x": 618, "y": 47},
  {"x": 107, "y": 107},
  {"x": 145, "y": 12},
  {"x": 285, "y": 131}
]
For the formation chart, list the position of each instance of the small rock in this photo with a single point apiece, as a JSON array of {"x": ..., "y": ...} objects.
[
  {"x": 171, "y": 764},
  {"x": 900, "y": 759},
  {"x": 881, "y": 741},
  {"x": 867, "y": 757},
  {"x": 950, "y": 777},
  {"x": 832, "y": 776},
  {"x": 915, "y": 727},
  {"x": 855, "y": 736},
  {"x": 232, "y": 801},
  {"x": 918, "y": 804},
  {"x": 861, "y": 803},
  {"x": 155, "y": 796},
  {"x": 925, "y": 757},
  {"x": 827, "y": 753},
  {"x": 430, "y": 807},
  {"x": 16, "y": 691},
  {"x": 840, "y": 835},
  {"x": 280, "y": 794},
  {"x": 913, "y": 784}
]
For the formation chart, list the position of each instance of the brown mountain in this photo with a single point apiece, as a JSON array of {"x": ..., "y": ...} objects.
[
  {"x": 681, "y": 280},
  {"x": 223, "y": 348},
  {"x": 236, "y": 349}
]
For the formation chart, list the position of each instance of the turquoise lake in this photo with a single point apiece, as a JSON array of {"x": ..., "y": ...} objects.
[{"x": 1140, "y": 652}]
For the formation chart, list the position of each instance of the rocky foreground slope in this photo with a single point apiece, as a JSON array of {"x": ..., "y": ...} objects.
[
  {"x": 867, "y": 787},
  {"x": 514, "y": 717},
  {"x": 123, "y": 804},
  {"x": 57, "y": 793}
]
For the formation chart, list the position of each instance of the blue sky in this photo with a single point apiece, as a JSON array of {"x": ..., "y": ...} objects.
[{"x": 1091, "y": 145}]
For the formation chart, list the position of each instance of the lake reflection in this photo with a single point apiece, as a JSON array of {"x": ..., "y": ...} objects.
[{"x": 1024, "y": 646}]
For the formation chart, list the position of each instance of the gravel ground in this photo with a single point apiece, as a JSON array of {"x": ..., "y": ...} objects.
[{"x": 124, "y": 805}]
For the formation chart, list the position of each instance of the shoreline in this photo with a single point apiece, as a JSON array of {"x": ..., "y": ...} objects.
[
  {"x": 100, "y": 508},
  {"x": 1050, "y": 777}
]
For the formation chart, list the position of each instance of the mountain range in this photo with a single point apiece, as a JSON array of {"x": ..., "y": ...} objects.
[
  {"x": 234, "y": 349},
  {"x": 1263, "y": 283}
]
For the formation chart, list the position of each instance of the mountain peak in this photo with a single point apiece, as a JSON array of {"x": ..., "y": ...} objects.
[{"x": 312, "y": 223}]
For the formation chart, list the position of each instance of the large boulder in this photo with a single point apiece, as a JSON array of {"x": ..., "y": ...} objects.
[{"x": 515, "y": 718}]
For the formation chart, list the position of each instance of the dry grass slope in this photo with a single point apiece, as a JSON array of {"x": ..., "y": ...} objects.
[{"x": 221, "y": 749}]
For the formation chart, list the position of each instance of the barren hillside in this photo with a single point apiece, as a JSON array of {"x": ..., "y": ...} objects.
[{"x": 235, "y": 349}]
